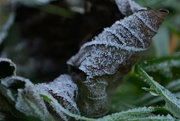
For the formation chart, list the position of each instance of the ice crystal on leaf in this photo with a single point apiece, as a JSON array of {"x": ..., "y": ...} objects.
[
  {"x": 172, "y": 102},
  {"x": 111, "y": 48},
  {"x": 108, "y": 56},
  {"x": 101, "y": 60},
  {"x": 64, "y": 90}
]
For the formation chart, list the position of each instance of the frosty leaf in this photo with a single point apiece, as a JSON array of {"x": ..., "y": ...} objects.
[
  {"x": 61, "y": 110},
  {"x": 24, "y": 96},
  {"x": 7, "y": 68},
  {"x": 64, "y": 90},
  {"x": 154, "y": 118},
  {"x": 115, "y": 45},
  {"x": 29, "y": 102},
  {"x": 64, "y": 113},
  {"x": 172, "y": 102},
  {"x": 110, "y": 52},
  {"x": 129, "y": 114},
  {"x": 7, "y": 17},
  {"x": 128, "y": 7}
]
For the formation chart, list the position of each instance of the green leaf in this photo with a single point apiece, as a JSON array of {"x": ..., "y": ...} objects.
[
  {"x": 128, "y": 115},
  {"x": 154, "y": 118},
  {"x": 46, "y": 98},
  {"x": 172, "y": 102}
]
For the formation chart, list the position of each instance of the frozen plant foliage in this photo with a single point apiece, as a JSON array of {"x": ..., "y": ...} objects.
[
  {"x": 172, "y": 102},
  {"x": 108, "y": 56},
  {"x": 111, "y": 48},
  {"x": 64, "y": 90},
  {"x": 128, "y": 7},
  {"x": 100, "y": 59},
  {"x": 26, "y": 99}
]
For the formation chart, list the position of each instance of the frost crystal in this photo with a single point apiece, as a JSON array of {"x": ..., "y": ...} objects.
[
  {"x": 108, "y": 55},
  {"x": 115, "y": 45},
  {"x": 64, "y": 90}
]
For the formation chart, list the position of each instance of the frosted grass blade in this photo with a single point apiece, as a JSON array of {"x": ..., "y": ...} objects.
[{"x": 172, "y": 102}]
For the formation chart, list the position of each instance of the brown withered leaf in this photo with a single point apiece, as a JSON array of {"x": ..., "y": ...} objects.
[
  {"x": 111, "y": 48},
  {"x": 108, "y": 57}
]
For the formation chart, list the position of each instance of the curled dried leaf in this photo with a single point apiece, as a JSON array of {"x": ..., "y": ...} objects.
[
  {"x": 111, "y": 48},
  {"x": 108, "y": 53},
  {"x": 64, "y": 90}
]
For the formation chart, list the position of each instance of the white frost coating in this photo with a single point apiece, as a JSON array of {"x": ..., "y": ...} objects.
[
  {"x": 29, "y": 101},
  {"x": 63, "y": 112},
  {"x": 64, "y": 90},
  {"x": 128, "y": 7},
  {"x": 55, "y": 104},
  {"x": 14, "y": 79},
  {"x": 146, "y": 18},
  {"x": 129, "y": 114},
  {"x": 116, "y": 44}
]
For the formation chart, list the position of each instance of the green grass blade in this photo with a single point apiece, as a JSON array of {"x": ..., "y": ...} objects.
[
  {"x": 129, "y": 114},
  {"x": 172, "y": 102},
  {"x": 154, "y": 118}
]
